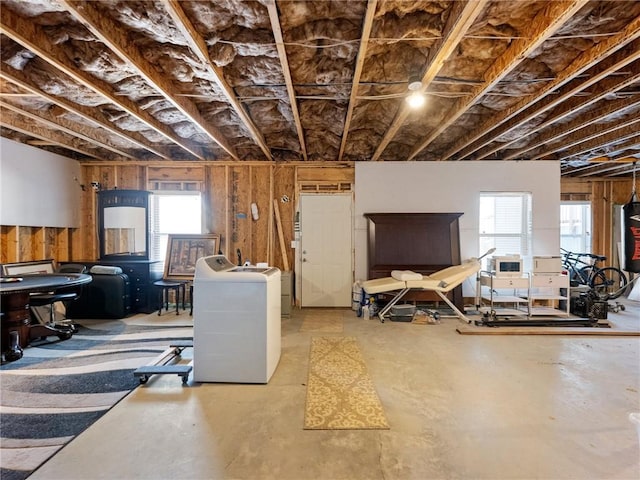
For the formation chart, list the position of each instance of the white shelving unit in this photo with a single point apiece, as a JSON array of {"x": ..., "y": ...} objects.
[
  {"x": 506, "y": 296},
  {"x": 548, "y": 288}
]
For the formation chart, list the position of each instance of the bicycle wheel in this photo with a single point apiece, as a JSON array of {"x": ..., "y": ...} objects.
[{"x": 609, "y": 282}]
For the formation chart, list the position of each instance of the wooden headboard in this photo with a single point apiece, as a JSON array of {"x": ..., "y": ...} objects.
[{"x": 422, "y": 242}]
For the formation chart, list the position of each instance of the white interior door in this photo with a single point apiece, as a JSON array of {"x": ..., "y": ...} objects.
[{"x": 326, "y": 246}]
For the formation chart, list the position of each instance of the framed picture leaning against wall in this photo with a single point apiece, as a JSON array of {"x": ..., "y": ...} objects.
[{"x": 183, "y": 250}]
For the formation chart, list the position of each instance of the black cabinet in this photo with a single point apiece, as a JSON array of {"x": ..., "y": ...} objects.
[{"x": 142, "y": 273}]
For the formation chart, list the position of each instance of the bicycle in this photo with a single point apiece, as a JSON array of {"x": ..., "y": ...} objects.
[{"x": 606, "y": 282}]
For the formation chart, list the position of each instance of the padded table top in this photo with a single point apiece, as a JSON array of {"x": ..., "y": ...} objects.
[{"x": 41, "y": 282}]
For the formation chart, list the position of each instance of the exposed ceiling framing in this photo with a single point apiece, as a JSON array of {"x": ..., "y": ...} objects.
[{"x": 325, "y": 80}]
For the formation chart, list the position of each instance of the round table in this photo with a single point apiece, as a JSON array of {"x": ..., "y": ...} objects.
[{"x": 16, "y": 330}]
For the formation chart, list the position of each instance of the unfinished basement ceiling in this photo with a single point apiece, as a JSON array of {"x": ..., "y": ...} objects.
[{"x": 325, "y": 80}]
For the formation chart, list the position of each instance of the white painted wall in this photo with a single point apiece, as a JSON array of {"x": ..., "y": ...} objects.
[
  {"x": 425, "y": 187},
  {"x": 38, "y": 188}
]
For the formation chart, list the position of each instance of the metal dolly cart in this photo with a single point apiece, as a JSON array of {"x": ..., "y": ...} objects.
[{"x": 160, "y": 366}]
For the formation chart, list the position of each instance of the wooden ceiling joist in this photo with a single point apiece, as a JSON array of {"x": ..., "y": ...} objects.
[
  {"x": 589, "y": 133},
  {"x": 624, "y": 158},
  {"x": 602, "y": 163},
  {"x": 610, "y": 168},
  {"x": 544, "y": 25},
  {"x": 274, "y": 18},
  {"x": 91, "y": 114},
  {"x": 461, "y": 17},
  {"x": 54, "y": 122},
  {"x": 115, "y": 38},
  {"x": 571, "y": 90},
  {"x": 27, "y": 127},
  {"x": 527, "y": 106},
  {"x": 199, "y": 48},
  {"x": 607, "y": 87},
  {"x": 203, "y": 83},
  {"x": 611, "y": 141},
  {"x": 37, "y": 41},
  {"x": 362, "y": 53}
]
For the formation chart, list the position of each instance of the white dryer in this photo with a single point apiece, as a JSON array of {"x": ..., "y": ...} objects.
[{"x": 236, "y": 322}]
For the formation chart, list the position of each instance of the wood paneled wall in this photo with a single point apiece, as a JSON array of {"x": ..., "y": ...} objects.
[{"x": 228, "y": 191}]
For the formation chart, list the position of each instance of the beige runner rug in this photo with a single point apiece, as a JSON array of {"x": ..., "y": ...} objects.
[{"x": 340, "y": 393}]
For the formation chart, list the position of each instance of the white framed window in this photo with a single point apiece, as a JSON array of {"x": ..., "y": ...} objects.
[
  {"x": 505, "y": 222},
  {"x": 575, "y": 226},
  {"x": 173, "y": 212}
]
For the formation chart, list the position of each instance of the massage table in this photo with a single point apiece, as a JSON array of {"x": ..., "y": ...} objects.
[{"x": 440, "y": 282}]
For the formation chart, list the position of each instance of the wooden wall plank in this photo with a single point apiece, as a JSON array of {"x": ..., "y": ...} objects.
[
  {"x": 26, "y": 238},
  {"x": 322, "y": 174},
  {"x": 239, "y": 212},
  {"x": 284, "y": 187},
  {"x": 183, "y": 174},
  {"x": 88, "y": 231},
  {"x": 9, "y": 251},
  {"x": 261, "y": 196},
  {"x": 48, "y": 236},
  {"x": 63, "y": 244},
  {"x": 215, "y": 203},
  {"x": 129, "y": 177}
]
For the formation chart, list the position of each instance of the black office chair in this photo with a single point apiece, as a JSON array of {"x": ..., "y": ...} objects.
[{"x": 66, "y": 328}]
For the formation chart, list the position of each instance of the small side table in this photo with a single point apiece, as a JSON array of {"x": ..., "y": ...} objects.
[{"x": 164, "y": 287}]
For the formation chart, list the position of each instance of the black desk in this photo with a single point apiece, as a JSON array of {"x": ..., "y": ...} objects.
[{"x": 14, "y": 305}]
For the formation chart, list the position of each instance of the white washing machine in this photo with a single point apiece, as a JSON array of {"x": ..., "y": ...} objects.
[{"x": 236, "y": 322}]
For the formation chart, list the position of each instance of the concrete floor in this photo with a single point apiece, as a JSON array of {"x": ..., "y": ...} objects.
[{"x": 460, "y": 407}]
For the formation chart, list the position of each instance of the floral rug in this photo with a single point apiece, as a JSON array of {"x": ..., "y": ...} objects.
[{"x": 340, "y": 393}]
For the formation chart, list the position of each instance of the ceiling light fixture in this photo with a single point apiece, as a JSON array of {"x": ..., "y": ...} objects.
[{"x": 415, "y": 99}]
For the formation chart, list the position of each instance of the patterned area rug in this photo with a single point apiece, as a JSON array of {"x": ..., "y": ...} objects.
[
  {"x": 59, "y": 388},
  {"x": 340, "y": 393}
]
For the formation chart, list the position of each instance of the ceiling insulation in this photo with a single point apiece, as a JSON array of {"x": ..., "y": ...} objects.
[{"x": 325, "y": 80}]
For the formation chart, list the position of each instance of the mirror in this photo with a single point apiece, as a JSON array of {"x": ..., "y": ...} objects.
[{"x": 123, "y": 217}]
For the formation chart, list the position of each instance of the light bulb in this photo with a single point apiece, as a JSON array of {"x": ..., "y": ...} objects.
[{"x": 415, "y": 99}]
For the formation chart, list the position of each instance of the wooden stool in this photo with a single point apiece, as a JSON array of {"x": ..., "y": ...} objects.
[{"x": 165, "y": 286}]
